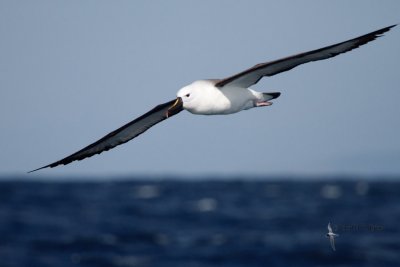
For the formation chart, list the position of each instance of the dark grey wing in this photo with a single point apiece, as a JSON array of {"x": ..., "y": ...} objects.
[
  {"x": 123, "y": 134},
  {"x": 253, "y": 75}
]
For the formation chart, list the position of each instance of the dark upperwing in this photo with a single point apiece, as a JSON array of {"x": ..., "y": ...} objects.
[{"x": 124, "y": 133}]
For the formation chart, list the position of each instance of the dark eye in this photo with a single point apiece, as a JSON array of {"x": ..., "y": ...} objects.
[{"x": 187, "y": 95}]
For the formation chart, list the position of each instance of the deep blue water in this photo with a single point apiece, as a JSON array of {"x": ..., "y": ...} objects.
[{"x": 199, "y": 223}]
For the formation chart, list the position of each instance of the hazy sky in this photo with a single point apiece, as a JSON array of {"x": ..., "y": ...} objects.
[{"x": 72, "y": 71}]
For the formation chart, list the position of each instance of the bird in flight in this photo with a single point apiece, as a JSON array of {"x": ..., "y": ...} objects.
[
  {"x": 216, "y": 96},
  {"x": 331, "y": 235}
]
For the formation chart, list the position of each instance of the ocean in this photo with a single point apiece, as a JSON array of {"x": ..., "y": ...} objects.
[{"x": 199, "y": 223}]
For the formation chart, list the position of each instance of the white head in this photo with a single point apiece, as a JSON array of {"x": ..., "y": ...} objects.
[
  {"x": 202, "y": 97},
  {"x": 192, "y": 96}
]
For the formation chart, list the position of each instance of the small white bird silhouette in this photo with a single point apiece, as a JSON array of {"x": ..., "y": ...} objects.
[{"x": 331, "y": 235}]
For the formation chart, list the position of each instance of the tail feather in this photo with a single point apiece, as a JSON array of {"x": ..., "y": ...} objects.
[{"x": 270, "y": 96}]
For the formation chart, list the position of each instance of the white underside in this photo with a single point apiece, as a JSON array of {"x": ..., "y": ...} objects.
[{"x": 210, "y": 100}]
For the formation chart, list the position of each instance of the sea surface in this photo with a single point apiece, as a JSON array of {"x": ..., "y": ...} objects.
[{"x": 202, "y": 223}]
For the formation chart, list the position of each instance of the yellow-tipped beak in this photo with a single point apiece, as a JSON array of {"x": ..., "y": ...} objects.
[{"x": 175, "y": 108}]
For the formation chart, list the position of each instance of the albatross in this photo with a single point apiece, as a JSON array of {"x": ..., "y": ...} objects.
[
  {"x": 216, "y": 96},
  {"x": 331, "y": 235}
]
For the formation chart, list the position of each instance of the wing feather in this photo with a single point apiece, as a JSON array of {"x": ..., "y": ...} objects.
[
  {"x": 251, "y": 76},
  {"x": 332, "y": 241},
  {"x": 121, "y": 135}
]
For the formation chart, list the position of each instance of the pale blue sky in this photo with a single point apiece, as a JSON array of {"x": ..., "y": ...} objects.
[{"x": 72, "y": 71}]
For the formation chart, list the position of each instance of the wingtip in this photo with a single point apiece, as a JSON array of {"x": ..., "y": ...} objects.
[
  {"x": 34, "y": 170},
  {"x": 386, "y": 29},
  {"x": 44, "y": 167},
  {"x": 391, "y": 26}
]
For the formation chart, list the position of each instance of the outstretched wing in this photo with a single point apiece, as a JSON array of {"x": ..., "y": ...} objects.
[
  {"x": 329, "y": 228},
  {"x": 251, "y": 76},
  {"x": 332, "y": 241},
  {"x": 124, "y": 133}
]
